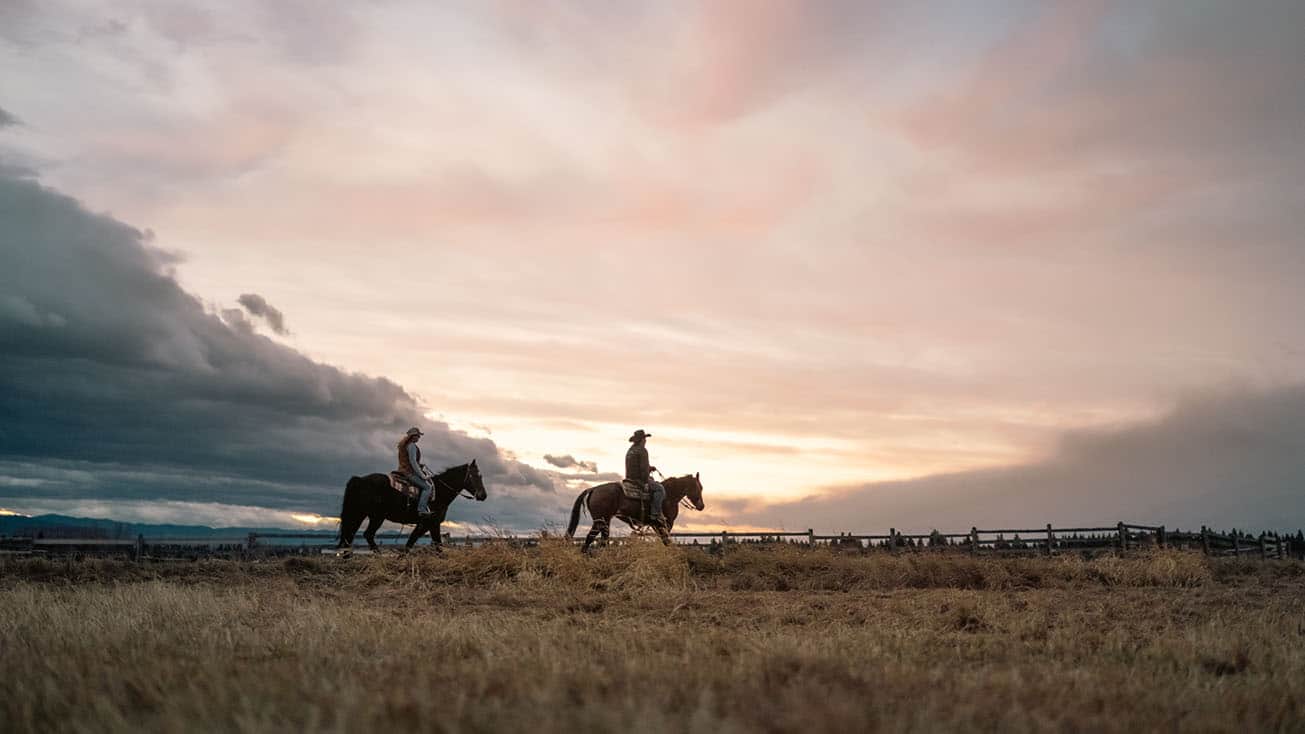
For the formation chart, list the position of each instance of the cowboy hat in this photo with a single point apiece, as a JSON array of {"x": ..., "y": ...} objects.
[
  {"x": 414, "y": 431},
  {"x": 640, "y": 434}
]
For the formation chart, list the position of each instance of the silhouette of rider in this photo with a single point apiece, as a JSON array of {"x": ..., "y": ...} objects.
[
  {"x": 639, "y": 471},
  {"x": 411, "y": 466}
]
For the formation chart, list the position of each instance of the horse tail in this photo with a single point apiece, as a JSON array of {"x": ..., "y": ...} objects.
[
  {"x": 350, "y": 490},
  {"x": 351, "y": 514},
  {"x": 575, "y": 512}
]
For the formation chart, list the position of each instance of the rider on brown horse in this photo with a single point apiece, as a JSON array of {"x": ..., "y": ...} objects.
[{"x": 639, "y": 472}]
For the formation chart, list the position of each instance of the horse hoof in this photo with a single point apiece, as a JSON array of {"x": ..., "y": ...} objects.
[{"x": 344, "y": 553}]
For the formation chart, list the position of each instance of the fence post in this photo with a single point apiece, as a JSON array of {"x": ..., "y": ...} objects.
[
  {"x": 811, "y": 537},
  {"x": 1123, "y": 538},
  {"x": 724, "y": 538},
  {"x": 138, "y": 552},
  {"x": 1237, "y": 543},
  {"x": 1050, "y": 539},
  {"x": 892, "y": 540},
  {"x": 1205, "y": 540},
  {"x": 1161, "y": 537},
  {"x": 1264, "y": 549},
  {"x": 974, "y": 540},
  {"x": 251, "y": 541}
]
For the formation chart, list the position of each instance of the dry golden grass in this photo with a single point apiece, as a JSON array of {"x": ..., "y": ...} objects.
[{"x": 643, "y": 638}]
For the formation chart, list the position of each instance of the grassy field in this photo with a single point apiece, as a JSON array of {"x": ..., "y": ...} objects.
[{"x": 644, "y": 638}]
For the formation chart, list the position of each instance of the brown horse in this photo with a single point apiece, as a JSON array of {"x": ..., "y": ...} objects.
[{"x": 608, "y": 500}]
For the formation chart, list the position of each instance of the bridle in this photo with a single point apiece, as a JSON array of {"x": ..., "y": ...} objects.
[
  {"x": 464, "y": 490},
  {"x": 687, "y": 503}
]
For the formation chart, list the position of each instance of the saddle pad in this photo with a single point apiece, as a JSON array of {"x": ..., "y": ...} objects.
[
  {"x": 632, "y": 490},
  {"x": 402, "y": 485}
]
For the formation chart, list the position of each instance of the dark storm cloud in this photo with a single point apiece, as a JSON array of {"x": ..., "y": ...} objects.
[
  {"x": 568, "y": 461},
  {"x": 109, "y": 370},
  {"x": 7, "y": 119},
  {"x": 236, "y": 319},
  {"x": 1230, "y": 459},
  {"x": 258, "y": 306}
]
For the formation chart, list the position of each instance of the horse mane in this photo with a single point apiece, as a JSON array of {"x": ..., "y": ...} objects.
[{"x": 450, "y": 470}]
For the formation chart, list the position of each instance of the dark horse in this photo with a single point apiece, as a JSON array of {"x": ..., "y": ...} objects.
[
  {"x": 373, "y": 498},
  {"x": 608, "y": 500}
]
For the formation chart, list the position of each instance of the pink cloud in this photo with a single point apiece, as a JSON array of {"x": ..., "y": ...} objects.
[
  {"x": 1050, "y": 100},
  {"x": 230, "y": 144}
]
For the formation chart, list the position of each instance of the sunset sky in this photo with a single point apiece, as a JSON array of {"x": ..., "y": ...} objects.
[{"x": 860, "y": 264}]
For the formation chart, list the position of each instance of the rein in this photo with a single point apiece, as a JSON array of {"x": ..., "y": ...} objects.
[
  {"x": 462, "y": 491},
  {"x": 685, "y": 502}
]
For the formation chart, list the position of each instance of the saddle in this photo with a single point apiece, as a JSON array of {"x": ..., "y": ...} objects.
[
  {"x": 637, "y": 515},
  {"x": 401, "y": 485}
]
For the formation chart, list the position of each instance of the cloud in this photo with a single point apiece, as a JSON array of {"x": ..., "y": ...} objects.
[
  {"x": 118, "y": 386},
  {"x": 585, "y": 478},
  {"x": 236, "y": 319},
  {"x": 18, "y": 309},
  {"x": 1231, "y": 458},
  {"x": 258, "y": 306},
  {"x": 1114, "y": 108},
  {"x": 7, "y": 118},
  {"x": 887, "y": 262},
  {"x": 567, "y": 461},
  {"x": 741, "y": 55}
]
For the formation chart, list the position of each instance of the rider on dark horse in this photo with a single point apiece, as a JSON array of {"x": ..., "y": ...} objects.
[
  {"x": 639, "y": 472},
  {"x": 412, "y": 468}
]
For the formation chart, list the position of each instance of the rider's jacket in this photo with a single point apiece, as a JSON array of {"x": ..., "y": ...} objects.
[
  {"x": 405, "y": 464},
  {"x": 636, "y": 464}
]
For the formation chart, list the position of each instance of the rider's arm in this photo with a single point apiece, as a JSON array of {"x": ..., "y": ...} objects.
[{"x": 412, "y": 458}]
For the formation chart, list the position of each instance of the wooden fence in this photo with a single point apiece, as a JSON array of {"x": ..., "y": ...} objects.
[{"x": 1047, "y": 540}]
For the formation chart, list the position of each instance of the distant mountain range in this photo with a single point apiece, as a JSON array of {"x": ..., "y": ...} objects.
[{"x": 65, "y": 526}]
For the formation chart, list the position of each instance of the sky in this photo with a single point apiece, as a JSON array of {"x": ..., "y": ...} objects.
[{"x": 859, "y": 264}]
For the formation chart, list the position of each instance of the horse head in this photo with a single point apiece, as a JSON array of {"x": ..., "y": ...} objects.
[
  {"x": 693, "y": 491},
  {"x": 474, "y": 483}
]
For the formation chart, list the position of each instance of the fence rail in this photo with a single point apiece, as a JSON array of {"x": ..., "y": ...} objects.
[{"x": 1046, "y": 540}]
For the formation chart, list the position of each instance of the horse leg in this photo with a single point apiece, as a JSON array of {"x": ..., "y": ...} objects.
[
  {"x": 348, "y": 529},
  {"x": 373, "y": 524},
  {"x": 607, "y": 533},
  {"x": 600, "y": 526},
  {"x": 417, "y": 531}
]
